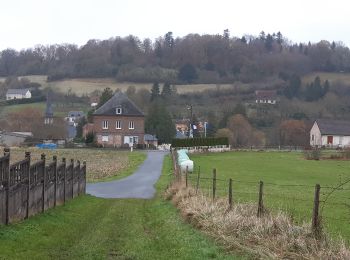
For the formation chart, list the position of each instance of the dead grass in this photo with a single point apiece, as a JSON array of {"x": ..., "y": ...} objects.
[
  {"x": 272, "y": 236},
  {"x": 101, "y": 164}
]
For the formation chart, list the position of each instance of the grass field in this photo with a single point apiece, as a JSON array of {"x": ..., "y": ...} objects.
[
  {"x": 83, "y": 86},
  {"x": 93, "y": 228},
  {"x": 330, "y": 76},
  {"x": 102, "y": 164},
  {"x": 289, "y": 182}
]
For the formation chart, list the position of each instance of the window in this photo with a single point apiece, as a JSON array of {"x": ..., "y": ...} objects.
[
  {"x": 105, "y": 138},
  {"x": 118, "y": 110},
  {"x": 118, "y": 125},
  {"x": 105, "y": 124},
  {"x": 131, "y": 125},
  {"x": 312, "y": 137}
]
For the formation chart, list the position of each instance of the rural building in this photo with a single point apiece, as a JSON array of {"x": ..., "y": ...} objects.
[
  {"x": 119, "y": 122},
  {"x": 266, "y": 97},
  {"x": 150, "y": 140},
  {"x": 74, "y": 117},
  {"x": 18, "y": 93},
  {"x": 330, "y": 133},
  {"x": 14, "y": 138}
]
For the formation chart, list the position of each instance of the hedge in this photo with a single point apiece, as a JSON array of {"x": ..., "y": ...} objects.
[
  {"x": 192, "y": 142},
  {"x": 24, "y": 100}
]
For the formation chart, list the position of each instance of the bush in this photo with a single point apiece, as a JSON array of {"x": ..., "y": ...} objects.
[
  {"x": 313, "y": 154},
  {"x": 191, "y": 142},
  {"x": 26, "y": 100}
]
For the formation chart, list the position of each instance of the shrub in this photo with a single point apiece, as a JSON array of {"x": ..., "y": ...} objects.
[
  {"x": 313, "y": 154},
  {"x": 191, "y": 142}
]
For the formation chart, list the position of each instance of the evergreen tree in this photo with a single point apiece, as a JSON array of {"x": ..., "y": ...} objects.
[
  {"x": 244, "y": 40},
  {"x": 155, "y": 92},
  {"x": 166, "y": 91},
  {"x": 105, "y": 96},
  {"x": 293, "y": 88},
  {"x": 269, "y": 42},
  {"x": 188, "y": 73},
  {"x": 159, "y": 122}
]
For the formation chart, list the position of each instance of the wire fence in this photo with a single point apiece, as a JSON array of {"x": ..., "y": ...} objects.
[{"x": 328, "y": 207}]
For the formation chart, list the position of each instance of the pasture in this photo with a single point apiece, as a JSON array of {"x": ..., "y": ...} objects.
[
  {"x": 102, "y": 164},
  {"x": 84, "y": 86},
  {"x": 289, "y": 183}
]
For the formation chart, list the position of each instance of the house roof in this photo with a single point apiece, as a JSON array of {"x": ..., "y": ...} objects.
[
  {"x": 17, "y": 91},
  {"x": 265, "y": 94},
  {"x": 75, "y": 113},
  {"x": 148, "y": 137},
  {"x": 333, "y": 127},
  {"x": 119, "y": 99}
]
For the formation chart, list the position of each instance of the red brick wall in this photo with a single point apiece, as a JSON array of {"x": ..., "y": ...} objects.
[{"x": 116, "y": 136}]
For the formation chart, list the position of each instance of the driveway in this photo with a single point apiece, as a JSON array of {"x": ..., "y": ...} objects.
[{"x": 138, "y": 185}]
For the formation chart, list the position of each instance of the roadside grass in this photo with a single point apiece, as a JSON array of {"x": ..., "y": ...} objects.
[
  {"x": 94, "y": 228},
  {"x": 102, "y": 164},
  {"x": 289, "y": 182}
]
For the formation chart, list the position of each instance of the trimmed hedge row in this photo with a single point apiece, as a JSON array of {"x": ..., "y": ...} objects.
[
  {"x": 24, "y": 100},
  {"x": 192, "y": 142}
]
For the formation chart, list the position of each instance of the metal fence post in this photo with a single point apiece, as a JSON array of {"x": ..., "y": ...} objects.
[
  {"x": 198, "y": 179},
  {"x": 230, "y": 193},
  {"x": 260, "y": 204},
  {"x": 214, "y": 183},
  {"x": 315, "y": 212}
]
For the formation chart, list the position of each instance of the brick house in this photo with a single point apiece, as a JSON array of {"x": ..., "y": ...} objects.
[{"x": 119, "y": 122}]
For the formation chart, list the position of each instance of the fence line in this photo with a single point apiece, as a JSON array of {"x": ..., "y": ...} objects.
[
  {"x": 212, "y": 189},
  {"x": 27, "y": 189}
]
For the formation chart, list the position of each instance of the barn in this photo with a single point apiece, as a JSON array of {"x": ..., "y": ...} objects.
[{"x": 330, "y": 133}]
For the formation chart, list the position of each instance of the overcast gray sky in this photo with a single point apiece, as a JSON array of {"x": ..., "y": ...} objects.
[{"x": 25, "y": 23}]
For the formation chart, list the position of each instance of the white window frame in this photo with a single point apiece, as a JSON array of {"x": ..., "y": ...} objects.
[
  {"x": 118, "y": 124},
  {"x": 118, "y": 110},
  {"x": 131, "y": 125},
  {"x": 105, "y": 124},
  {"x": 105, "y": 138}
]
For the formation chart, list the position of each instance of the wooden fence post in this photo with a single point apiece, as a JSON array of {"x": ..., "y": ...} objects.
[
  {"x": 84, "y": 165},
  {"x": 64, "y": 179},
  {"x": 214, "y": 183},
  {"x": 72, "y": 173},
  {"x": 8, "y": 180},
  {"x": 315, "y": 212},
  {"x": 186, "y": 176},
  {"x": 260, "y": 205},
  {"x": 54, "y": 158},
  {"x": 79, "y": 174},
  {"x": 198, "y": 178},
  {"x": 44, "y": 182},
  {"x": 230, "y": 193},
  {"x": 27, "y": 155}
]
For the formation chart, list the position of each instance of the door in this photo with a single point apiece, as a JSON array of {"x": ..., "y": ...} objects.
[{"x": 330, "y": 139}]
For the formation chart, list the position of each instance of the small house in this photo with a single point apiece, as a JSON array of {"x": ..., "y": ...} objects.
[
  {"x": 266, "y": 97},
  {"x": 18, "y": 93},
  {"x": 330, "y": 133},
  {"x": 150, "y": 140},
  {"x": 118, "y": 122},
  {"x": 14, "y": 138}
]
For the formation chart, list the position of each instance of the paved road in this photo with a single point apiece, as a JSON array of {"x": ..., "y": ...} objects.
[{"x": 138, "y": 185}]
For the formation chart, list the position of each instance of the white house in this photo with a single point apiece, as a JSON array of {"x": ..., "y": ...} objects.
[
  {"x": 266, "y": 97},
  {"x": 18, "y": 93},
  {"x": 330, "y": 133}
]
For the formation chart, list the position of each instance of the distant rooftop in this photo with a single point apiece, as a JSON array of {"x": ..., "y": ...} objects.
[
  {"x": 333, "y": 127},
  {"x": 17, "y": 91}
]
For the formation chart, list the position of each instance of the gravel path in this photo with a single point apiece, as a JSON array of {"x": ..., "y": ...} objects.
[{"x": 138, "y": 185}]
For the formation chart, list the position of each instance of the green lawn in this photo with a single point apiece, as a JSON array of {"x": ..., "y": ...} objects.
[
  {"x": 93, "y": 228},
  {"x": 289, "y": 182}
]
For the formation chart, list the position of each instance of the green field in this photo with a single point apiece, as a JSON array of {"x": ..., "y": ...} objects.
[
  {"x": 289, "y": 182},
  {"x": 93, "y": 228},
  {"x": 83, "y": 86},
  {"x": 330, "y": 76}
]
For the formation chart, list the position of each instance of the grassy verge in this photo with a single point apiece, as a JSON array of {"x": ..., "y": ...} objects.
[
  {"x": 289, "y": 182},
  {"x": 93, "y": 228}
]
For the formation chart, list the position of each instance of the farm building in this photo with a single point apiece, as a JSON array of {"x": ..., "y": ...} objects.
[
  {"x": 150, "y": 140},
  {"x": 330, "y": 133},
  {"x": 119, "y": 122},
  {"x": 14, "y": 138},
  {"x": 18, "y": 94},
  {"x": 266, "y": 97}
]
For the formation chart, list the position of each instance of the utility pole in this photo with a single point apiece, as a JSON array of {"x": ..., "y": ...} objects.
[{"x": 190, "y": 125}]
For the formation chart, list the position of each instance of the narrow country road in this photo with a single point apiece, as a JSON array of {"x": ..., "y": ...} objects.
[{"x": 138, "y": 185}]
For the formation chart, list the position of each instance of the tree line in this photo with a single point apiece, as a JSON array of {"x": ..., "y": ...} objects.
[{"x": 194, "y": 58}]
